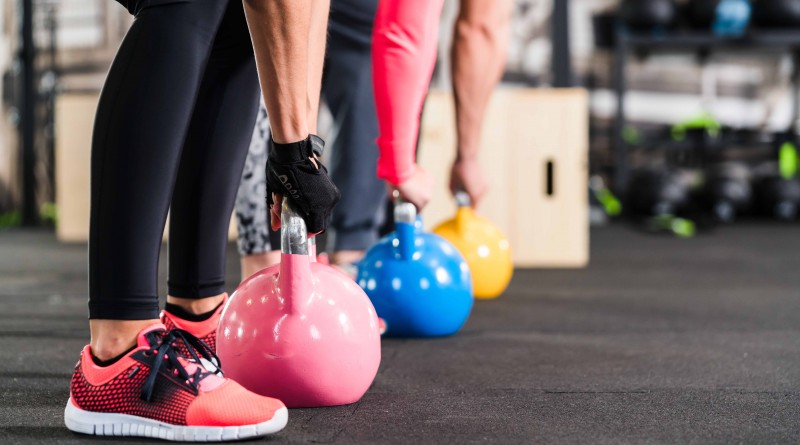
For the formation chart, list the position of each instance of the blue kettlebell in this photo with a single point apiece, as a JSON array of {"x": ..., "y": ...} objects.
[
  {"x": 726, "y": 18},
  {"x": 418, "y": 282}
]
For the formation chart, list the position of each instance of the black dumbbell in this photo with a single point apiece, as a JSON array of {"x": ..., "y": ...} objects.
[
  {"x": 657, "y": 191},
  {"x": 776, "y": 13},
  {"x": 644, "y": 15},
  {"x": 778, "y": 197},
  {"x": 728, "y": 190}
]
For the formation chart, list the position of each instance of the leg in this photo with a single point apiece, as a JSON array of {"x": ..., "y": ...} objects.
[
  {"x": 252, "y": 216},
  {"x": 141, "y": 122},
  {"x": 480, "y": 41},
  {"x": 282, "y": 32},
  {"x": 211, "y": 168},
  {"x": 150, "y": 389},
  {"x": 347, "y": 89}
]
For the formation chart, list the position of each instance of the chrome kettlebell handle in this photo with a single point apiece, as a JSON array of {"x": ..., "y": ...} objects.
[
  {"x": 462, "y": 199},
  {"x": 294, "y": 235},
  {"x": 404, "y": 211}
]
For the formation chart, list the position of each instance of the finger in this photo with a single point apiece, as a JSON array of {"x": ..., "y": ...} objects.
[
  {"x": 453, "y": 184},
  {"x": 423, "y": 202},
  {"x": 275, "y": 211},
  {"x": 474, "y": 199},
  {"x": 275, "y": 220},
  {"x": 418, "y": 200}
]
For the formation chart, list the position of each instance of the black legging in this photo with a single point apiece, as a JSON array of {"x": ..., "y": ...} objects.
[{"x": 172, "y": 131}]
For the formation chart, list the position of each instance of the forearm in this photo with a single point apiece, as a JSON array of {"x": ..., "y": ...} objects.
[
  {"x": 480, "y": 41},
  {"x": 280, "y": 30},
  {"x": 403, "y": 56}
]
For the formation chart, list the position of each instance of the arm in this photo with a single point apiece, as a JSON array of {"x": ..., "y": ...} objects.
[
  {"x": 290, "y": 51},
  {"x": 289, "y": 43},
  {"x": 280, "y": 30},
  {"x": 403, "y": 57},
  {"x": 480, "y": 40}
]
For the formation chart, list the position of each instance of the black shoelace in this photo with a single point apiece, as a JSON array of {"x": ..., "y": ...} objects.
[{"x": 166, "y": 360}]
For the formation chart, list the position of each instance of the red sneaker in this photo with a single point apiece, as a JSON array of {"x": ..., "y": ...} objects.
[
  {"x": 204, "y": 330},
  {"x": 153, "y": 392}
]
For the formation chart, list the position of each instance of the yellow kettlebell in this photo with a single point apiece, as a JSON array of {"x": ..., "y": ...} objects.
[{"x": 483, "y": 245}]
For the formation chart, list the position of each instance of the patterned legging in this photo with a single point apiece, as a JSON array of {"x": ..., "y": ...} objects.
[{"x": 252, "y": 217}]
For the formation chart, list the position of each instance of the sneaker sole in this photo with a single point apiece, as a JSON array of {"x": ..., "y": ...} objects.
[{"x": 125, "y": 425}]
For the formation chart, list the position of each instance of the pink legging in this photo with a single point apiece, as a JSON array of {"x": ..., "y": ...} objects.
[{"x": 404, "y": 42}]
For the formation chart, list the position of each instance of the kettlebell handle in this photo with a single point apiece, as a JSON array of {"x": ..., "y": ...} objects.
[
  {"x": 404, "y": 211},
  {"x": 405, "y": 218},
  {"x": 462, "y": 199},
  {"x": 294, "y": 235}
]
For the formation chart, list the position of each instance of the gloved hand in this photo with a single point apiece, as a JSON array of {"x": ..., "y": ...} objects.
[{"x": 295, "y": 171}]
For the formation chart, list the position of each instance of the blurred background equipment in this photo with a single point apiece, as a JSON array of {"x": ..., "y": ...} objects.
[
  {"x": 734, "y": 159},
  {"x": 723, "y": 17},
  {"x": 777, "y": 13},
  {"x": 728, "y": 190},
  {"x": 778, "y": 189},
  {"x": 49, "y": 50},
  {"x": 665, "y": 90},
  {"x": 656, "y": 191},
  {"x": 649, "y": 15}
]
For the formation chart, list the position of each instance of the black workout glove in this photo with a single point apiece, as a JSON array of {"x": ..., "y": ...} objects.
[{"x": 292, "y": 173}]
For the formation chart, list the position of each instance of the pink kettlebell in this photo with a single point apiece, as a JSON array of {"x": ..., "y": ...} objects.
[{"x": 301, "y": 331}]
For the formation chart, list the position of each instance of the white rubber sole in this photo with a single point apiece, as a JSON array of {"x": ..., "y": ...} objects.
[{"x": 124, "y": 425}]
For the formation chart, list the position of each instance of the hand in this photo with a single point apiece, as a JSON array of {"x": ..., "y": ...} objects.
[
  {"x": 275, "y": 210},
  {"x": 466, "y": 175},
  {"x": 295, "y": 170},
  {"x": 417, "y": 189}
]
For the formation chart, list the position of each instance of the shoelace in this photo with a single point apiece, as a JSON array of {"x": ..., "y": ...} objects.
[
  {"x": 195, "y": 346},
  {"x": 167, "y": 360}
]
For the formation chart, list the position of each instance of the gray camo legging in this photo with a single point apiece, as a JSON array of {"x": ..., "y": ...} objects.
[{"x": 252, "y": 217}]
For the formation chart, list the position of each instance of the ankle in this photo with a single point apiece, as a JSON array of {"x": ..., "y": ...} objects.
[
  {"x": 198, "y": 306},
  {"x": 110, "y": 338}
]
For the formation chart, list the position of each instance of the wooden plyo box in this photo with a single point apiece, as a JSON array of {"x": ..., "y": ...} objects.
[
  {"x": 535, "y": 154},
  {"x": 74, "y": 118}
]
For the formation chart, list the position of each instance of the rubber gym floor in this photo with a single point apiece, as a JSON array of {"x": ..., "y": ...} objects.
[{"x": 659, "y": 340}]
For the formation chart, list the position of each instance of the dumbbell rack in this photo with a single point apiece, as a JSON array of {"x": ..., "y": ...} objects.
[{"x": 702, "y": 44}]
